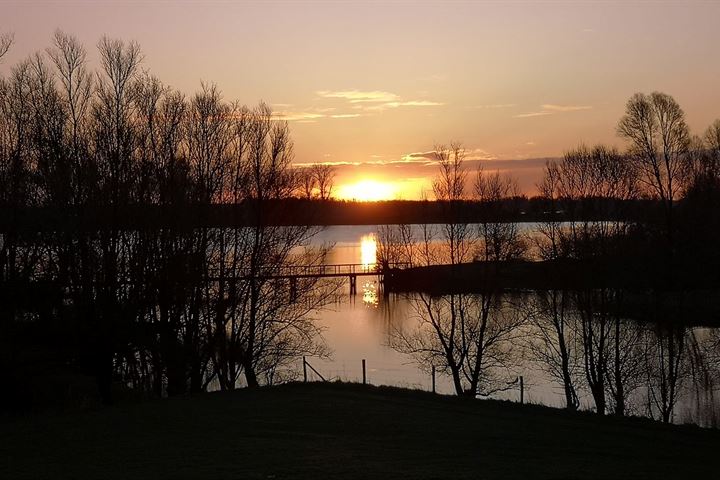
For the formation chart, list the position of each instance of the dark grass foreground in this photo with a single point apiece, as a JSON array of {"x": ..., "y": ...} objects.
[{"x": 348, "y": 431}]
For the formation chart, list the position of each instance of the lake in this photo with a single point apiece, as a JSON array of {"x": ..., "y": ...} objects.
[{"x": 359, "y": 326}]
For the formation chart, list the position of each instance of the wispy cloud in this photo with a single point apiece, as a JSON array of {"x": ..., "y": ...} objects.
[
  {"x": 375, "y": 100},
  {"x": 431, "y": 157},
  {"x": 312, "y": 115},
  {"x": 421, "y": 157},
  {"x": 358, "y": 96},
  {"x": 413, "y": 103},
  {"x": 549, "y": 109},
  {"x": 361, "y": 103},
  {"x": 334, "y": 164},
  {"x": 532, "y": 114},
  {"x": 298, "y": 116},
  {"x": 565, "y": 108},
  {"x": 479, "y": 154},
  {"x": 492, "y": 106}
]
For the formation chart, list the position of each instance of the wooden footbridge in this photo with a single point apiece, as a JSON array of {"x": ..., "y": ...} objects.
[
  {"x": 291, "y": 273},
  {"x": 349, "y": 270}
]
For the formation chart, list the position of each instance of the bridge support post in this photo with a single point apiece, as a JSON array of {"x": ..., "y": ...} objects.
[
  {"x": 353, "y": 284},
  {"x": 433, "y": 378},
  {"x": 293, "y": 289}
]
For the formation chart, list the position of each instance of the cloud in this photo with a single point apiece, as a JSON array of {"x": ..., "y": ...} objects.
[
  {"x": 431, "y": 157},
  {"x": 493, "y": 106},
  {"x": 532, "y": 114},
  {"x": 549, "y": 109},
  {"x": 420, "y": 157},
  {"x": 565, "y": 108},
  {"x": 375, "y": 100},
  {"x": 358, "y": 96},
  {"x": 298, "y": 116},
  {"x": 413, "y": 103},
  {"x": 362, "y": 102},
  {"x": 334, "y": 164},
  {"x": 312, "y": 116},
  {"x": 392, "y": 105},
  {"x": 479, "y": 154}
]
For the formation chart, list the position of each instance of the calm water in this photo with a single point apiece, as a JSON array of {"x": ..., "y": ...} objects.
[{"x": 357, "y": 327}]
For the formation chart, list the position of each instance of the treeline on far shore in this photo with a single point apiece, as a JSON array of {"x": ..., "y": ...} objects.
[{"x": 302, "y": 211}]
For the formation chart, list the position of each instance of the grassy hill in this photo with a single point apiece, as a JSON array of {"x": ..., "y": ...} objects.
[{"x": 347, "y": 431}]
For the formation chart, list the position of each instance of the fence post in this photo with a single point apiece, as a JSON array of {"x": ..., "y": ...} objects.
[
  {"x": 304, "y": 370},
  {"x": 522, "y": 391},
  {"x": 364, "y": 377},
  {"x": 433, "y": 378}
]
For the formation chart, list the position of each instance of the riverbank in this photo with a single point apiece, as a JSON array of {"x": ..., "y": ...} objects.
[
  {"x": 692, "y": 300},
  {"x": 347, "y": 431}
]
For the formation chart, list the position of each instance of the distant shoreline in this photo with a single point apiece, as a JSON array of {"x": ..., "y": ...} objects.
[{"x": 289, "y": 212}]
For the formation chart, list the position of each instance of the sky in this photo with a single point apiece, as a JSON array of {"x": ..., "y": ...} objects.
[{"x": 372, "y": 86}]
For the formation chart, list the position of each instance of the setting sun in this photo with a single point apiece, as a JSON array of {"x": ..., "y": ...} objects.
[{"x": 367, "y": 191}]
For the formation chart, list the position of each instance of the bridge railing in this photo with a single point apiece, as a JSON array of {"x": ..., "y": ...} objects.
[
  {"x": 323, "y": 270},
  {"x": 336, "y": 269}
]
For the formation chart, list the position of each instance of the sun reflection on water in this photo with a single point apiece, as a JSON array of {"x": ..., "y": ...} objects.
[
  {"x": 370, "y": 294},
  {"x": 368, "y": 250},
  {"x": 368, "y": 258}
]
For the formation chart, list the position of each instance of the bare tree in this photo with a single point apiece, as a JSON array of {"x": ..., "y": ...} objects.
[
  {"x": 590, "y": 185},
  {"x": 167, "y": 309},
  {"x": 712, "y": 138},
  {"x": 307, "y": 183},
  {"x": 625, "y": 370},
  {"x": 449, "y": 185},
  {"x": 465, "y": 336},
  {"x": 705, "y": 161},
  {"x": 553, "y": 346},
  {"x": 554, "y": 343},
  {"x": 275, "y": 330},
  {"x": 666, "y": 369},
  {"x": 500, "y": 239},
  {"x": 112, "y": 115},
  {"x": 6, "y": 41},
  {"x": 324, "y": 178},
  {"x": 70, "y": 59},
  {"x": 449, "y": 188},
  {"x": 659, "y": 139},
  {"x": 208, "y": 133}
]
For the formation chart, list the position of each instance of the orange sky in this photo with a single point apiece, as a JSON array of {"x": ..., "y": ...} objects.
[{"x": 371, "y": 86}]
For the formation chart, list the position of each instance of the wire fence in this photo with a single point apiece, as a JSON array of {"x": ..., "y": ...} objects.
[{"x": 387, "y": 374}]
